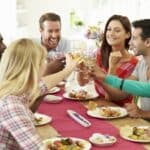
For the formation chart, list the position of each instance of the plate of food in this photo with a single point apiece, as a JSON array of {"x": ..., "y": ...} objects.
[
  {"x": 107, "y": 112},
  {"x": 54, "y": 90},
  {"x": 52, "y": 99},
  {"x": 80, "y": 95},
  {"x": 41, "y": 119},
  {"x": 139, "y": 134},
  {"x": 66, "y": 143},
  {"x": 99, "y": 139}
]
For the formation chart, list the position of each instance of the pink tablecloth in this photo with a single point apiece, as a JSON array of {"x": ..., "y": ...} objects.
[{"x": 68, "y": 127}]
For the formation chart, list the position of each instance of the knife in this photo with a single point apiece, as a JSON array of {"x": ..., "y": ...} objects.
[{"x": 78, "y": 118}]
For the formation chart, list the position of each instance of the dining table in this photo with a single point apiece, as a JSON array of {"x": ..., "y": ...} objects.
[{"x": 62, "y": 125}]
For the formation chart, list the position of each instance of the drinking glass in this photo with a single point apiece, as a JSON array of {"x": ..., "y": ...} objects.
[{"x": 53, "y": 55}]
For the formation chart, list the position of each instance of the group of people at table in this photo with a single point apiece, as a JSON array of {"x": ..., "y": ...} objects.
[{"x": 25, "y": 75}]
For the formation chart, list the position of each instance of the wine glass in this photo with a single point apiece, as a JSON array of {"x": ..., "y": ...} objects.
[{"x": 53, "y": 55}]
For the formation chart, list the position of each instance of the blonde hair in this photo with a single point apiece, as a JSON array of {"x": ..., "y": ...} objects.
[{"x": 20, "y": 66}]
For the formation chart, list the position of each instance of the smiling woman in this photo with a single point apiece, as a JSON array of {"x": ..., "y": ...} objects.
[{"x": 113, "y": 57}]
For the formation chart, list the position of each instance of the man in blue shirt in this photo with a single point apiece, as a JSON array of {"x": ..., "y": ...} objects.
[{"x": 50, "y": 29}]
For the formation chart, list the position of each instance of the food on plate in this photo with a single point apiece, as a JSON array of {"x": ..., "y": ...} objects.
[
  {"x": 140, "y": 134},
  {"x": 38, "y": 119},
  {"x": 41, "y": 119},
  {"x": 136, "y": 133},
  {"x": 81, "y": 94},
  {"x": 102, "y": 139},
  {"x": 65, "y": 144},
  {"x": 92, "y": 105},
  {"x": 109, "y": 112}
]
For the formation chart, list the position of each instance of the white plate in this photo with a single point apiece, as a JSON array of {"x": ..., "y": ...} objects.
[
  {"x": 43, "y": 119},
  {"x": 54, "y": 90},
  {"x": 99, "y": 139},
  {"x": 52, "y": 99},
  {"x": 86, "y": 144},
  {"x": 126, "y": 131},
  {"x": 98, "y": 112},
  {"x": 92, "y": 96}
]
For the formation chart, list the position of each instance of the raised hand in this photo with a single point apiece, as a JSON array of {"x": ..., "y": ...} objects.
[
  {"x": 83, "y": 74},
  {"x": 54, "y": 66},
  {"x": 114, "y": 59},
  {"x": 71, "y": 62},
  {"x": 96, "y": 72}
]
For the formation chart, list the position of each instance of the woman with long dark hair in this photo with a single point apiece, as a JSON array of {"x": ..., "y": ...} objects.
[{"x": 113, "y": 56}]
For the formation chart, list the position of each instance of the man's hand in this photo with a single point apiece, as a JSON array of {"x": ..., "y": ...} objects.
[
  {"x": 54, "y": 66},
  {"x": 134, "y": 111}
]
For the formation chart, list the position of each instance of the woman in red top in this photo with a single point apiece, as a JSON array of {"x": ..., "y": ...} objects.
[{"x": 114, "y": 58}]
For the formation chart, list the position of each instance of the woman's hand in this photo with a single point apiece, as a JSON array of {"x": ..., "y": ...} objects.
[
  {"x": 114, "y": 59},
  {"x": 82, "y": 75},
  {"x": 97, "y": 73},
  {"x": 71, "y": 63}
]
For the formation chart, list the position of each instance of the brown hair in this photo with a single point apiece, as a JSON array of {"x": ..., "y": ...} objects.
[
  {"x": 105, "y": 47},
  {"x": 49, "y": 17}
]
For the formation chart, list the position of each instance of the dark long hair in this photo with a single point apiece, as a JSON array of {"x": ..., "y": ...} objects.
[{"x": 105, "y": 47}]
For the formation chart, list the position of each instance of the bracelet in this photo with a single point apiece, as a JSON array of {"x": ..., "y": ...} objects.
[{"x": 121, "y": 85}]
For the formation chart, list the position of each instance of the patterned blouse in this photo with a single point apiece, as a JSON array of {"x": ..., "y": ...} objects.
[
  {"x": 123, "y": 71},
  {"x": 17, "y": 131}
]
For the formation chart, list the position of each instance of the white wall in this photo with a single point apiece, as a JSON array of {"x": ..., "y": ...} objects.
[
  {"x": 8, "y": 19},
  {"x": 90, "y": 11},
  {"x": 63, "y": 8}
]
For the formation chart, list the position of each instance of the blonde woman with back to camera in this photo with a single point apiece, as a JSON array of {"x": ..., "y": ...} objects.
[{"x": 20, "y": 82}]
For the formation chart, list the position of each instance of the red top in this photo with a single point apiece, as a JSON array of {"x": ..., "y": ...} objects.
[{"x": 123, "y": 71}]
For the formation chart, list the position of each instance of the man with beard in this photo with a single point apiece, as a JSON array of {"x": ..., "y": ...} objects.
[
  {"x": 57, "y": 46},
  {"x": 2, "y": 46},
  {"x": 140, "y": 41}
]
